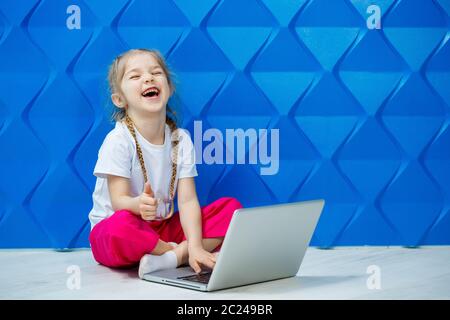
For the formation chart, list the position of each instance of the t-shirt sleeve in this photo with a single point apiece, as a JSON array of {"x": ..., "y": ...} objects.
[
  {"x": 114, "y": 157},
  {"x": 187, "y": 156}
]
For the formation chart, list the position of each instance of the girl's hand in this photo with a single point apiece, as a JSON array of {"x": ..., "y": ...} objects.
[
  {"x": 200, "y": 257},
  {"x": 147, "y": 204}
]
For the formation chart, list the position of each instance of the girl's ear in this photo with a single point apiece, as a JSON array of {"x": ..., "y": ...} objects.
[{"x": 117, "y": 100}]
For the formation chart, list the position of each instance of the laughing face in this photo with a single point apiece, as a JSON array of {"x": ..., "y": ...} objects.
[{"x": 144, "y": 86}]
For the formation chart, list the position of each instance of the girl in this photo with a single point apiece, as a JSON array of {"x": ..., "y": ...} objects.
[{"x": 141, "y": 163}]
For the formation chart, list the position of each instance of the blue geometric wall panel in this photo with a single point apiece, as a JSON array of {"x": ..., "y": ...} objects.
[{"x": 362, "y": 112}]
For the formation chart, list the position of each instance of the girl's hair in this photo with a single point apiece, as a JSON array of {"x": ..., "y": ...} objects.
[{"x": 115, "y": 75}]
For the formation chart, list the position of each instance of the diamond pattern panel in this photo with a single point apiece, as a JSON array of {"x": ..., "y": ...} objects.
[{"x": 363, "y": 115}]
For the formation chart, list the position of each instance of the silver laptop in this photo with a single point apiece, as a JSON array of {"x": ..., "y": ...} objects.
[{"x": 262, "y": 244}]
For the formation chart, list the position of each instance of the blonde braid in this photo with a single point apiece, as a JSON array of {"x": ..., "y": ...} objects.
[
  {"x": 173, "y": 129},
  {"x": 175, "y": 142}
]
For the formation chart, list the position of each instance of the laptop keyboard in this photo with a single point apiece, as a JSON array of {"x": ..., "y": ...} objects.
[{"x": 202, "y": 277}]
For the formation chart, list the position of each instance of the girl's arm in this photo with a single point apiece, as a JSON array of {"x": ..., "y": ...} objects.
[
  {"x": 190, "y": 213},
  {"x": 191, "y": 222},
  {"x": 119, "y": 190}
]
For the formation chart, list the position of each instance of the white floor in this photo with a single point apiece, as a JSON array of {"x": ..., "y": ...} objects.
[{"x": 341, "y": 273}]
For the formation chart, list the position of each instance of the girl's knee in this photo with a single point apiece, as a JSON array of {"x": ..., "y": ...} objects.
[
  {"x": 225, "y": 207},
  {"x": 121, "y": 219},
  {"x": 118, "y": 239},
  {"x": 123, "y": 214},
  {"x": 232, "y": 202}
]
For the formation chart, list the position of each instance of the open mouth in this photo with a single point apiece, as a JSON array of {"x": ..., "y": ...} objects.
[{"x": 152, "y": 92}]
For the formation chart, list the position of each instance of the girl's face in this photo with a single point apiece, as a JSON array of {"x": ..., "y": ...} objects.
[{"x": 144, "y": 85}]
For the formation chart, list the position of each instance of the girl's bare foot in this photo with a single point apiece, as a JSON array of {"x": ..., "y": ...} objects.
[{"x": 173, "y": 244}]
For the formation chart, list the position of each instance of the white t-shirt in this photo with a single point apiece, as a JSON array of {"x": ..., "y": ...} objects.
[{"x": 117, "y": 156}]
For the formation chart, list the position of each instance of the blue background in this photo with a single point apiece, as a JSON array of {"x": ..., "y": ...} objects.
[{"x": 363, "y": 114}]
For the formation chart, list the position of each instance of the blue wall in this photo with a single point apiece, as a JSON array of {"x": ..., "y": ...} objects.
[{"x": 363, "y": 114}]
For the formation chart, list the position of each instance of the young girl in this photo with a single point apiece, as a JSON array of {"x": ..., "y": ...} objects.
[{"x": 141, "y": 163}]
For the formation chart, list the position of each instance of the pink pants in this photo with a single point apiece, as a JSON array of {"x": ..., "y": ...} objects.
[{"x": 123, "y": 238}]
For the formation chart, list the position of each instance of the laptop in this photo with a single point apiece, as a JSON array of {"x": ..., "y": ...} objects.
[{"x": 261, "y": 244}]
